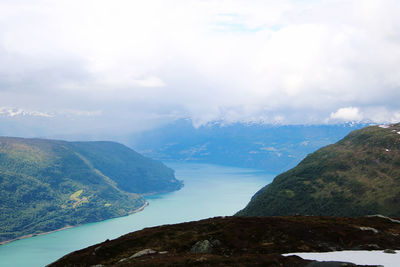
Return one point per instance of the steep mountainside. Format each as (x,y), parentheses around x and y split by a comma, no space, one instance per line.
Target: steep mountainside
(49,184)
(239,241)
(268,147)
(358,175)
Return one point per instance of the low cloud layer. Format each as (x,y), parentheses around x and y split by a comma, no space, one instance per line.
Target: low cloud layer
(347,114)
(122,65)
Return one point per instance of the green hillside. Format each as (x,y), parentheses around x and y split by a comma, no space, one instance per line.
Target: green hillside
(358,175)
(49,184)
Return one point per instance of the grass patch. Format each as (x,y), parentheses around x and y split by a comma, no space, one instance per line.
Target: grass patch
(75,196)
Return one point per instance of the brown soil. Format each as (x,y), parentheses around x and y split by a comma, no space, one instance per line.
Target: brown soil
(241,241)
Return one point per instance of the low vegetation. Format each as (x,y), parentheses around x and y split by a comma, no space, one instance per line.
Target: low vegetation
(239,241)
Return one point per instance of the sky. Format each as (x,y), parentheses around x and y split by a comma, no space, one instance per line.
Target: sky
(102,66)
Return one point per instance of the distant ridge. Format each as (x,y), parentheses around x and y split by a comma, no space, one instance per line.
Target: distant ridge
(46,185)
(359,175)
(274,148)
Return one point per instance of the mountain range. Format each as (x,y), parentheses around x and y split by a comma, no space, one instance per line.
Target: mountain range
(274,148)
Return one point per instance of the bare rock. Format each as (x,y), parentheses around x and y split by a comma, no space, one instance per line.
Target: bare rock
(203,246)
(215,243)
(369,229)
(143,252)
(391,251)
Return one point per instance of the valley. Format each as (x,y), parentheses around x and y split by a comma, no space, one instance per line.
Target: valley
(273,148)
(330,202)
(209,191)
(198,133)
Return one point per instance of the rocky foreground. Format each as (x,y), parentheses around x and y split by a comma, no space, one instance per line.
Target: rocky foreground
(240,241)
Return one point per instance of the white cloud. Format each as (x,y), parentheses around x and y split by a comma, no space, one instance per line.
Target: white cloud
(151,81)
(347,114)
(79,112)
(270,61)
(14,112)
(379,114)
(270,149)
(382,114)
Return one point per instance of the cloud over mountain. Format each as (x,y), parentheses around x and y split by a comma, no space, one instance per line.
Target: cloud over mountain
(145,62)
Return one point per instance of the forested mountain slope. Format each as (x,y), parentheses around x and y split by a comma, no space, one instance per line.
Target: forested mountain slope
(358,175)
(49,184)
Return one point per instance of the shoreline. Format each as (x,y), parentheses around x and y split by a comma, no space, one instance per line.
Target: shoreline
(33,235)
(68,227)
(146,203)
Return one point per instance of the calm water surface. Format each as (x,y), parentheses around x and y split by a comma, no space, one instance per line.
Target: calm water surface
(209,191)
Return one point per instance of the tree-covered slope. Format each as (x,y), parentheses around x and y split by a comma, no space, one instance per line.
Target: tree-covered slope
(358,175)
(127,167)
(49,184)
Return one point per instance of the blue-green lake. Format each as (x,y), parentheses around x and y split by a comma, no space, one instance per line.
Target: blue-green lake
(209,191)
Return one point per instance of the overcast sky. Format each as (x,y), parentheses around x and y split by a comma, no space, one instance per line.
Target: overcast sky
(124,65)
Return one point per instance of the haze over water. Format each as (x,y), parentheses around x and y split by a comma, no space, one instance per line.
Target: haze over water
(210,190)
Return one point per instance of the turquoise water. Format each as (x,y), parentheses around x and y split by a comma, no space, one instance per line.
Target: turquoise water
(209,191)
